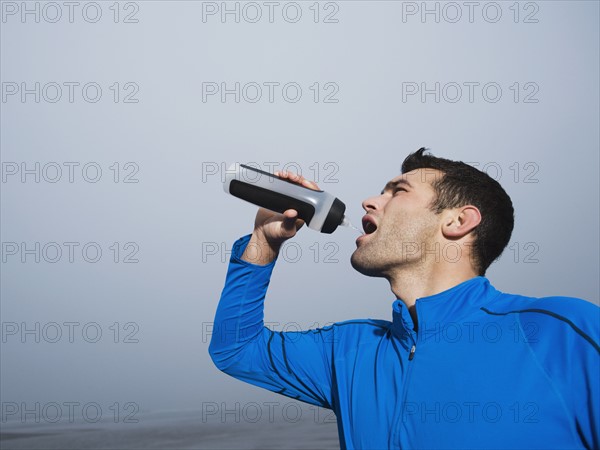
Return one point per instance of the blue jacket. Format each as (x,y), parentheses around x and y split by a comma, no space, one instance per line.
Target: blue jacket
(485,369)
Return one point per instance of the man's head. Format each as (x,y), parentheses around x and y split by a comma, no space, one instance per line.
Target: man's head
(437,212)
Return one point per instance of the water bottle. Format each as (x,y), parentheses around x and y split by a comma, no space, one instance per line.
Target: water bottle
(320,210)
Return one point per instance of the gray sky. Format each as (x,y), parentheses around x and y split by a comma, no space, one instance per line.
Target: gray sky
(343,96)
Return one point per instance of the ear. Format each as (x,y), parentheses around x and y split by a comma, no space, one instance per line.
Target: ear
(460,221)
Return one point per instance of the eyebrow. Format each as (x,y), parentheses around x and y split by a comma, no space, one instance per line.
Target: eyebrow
(392,184)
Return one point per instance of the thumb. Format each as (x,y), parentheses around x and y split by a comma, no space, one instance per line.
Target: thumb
(289,220)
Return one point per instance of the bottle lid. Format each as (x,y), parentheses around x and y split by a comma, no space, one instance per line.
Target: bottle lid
(335,217)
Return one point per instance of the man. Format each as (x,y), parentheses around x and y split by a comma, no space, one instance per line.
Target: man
(461,365)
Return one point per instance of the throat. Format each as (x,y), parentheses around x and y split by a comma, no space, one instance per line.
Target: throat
(413,314)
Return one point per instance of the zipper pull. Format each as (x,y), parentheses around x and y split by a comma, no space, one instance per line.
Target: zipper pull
(411,355)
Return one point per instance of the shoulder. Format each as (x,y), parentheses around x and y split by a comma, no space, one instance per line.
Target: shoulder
(560,305)
(558,315)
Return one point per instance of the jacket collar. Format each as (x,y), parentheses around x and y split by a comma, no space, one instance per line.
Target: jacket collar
(436,311)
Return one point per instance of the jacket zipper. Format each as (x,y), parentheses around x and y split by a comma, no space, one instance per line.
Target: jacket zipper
(414,336)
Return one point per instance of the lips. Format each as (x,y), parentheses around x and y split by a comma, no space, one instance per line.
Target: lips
(369,224)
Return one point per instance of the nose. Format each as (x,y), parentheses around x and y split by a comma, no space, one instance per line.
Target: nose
(371,203)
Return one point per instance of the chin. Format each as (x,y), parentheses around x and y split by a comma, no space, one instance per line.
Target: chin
(363,265)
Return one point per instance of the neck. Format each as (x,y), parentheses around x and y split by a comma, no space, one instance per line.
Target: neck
(409,284)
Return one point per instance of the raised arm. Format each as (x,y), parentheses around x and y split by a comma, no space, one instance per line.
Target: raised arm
(295,364)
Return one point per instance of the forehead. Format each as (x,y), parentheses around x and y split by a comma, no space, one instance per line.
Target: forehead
(418,179)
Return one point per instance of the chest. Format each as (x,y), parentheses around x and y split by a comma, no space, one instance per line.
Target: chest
(452,393)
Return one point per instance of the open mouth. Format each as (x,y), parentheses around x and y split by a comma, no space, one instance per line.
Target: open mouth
(369,225)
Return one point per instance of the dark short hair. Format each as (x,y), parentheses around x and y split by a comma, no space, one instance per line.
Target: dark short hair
(462,184)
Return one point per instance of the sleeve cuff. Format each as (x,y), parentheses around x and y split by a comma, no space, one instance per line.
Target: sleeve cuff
(238,250)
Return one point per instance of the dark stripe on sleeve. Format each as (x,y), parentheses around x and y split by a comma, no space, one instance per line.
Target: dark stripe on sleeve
(282,392)
(287,366)
(271,355)
(578,330)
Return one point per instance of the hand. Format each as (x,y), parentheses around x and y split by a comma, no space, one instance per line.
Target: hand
(276,228)
(272,229)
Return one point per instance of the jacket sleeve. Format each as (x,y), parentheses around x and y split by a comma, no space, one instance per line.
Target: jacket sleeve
(294,364)
(586,376)
(570,353)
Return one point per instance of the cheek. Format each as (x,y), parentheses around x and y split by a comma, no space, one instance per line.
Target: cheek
(409,222)
(396,212)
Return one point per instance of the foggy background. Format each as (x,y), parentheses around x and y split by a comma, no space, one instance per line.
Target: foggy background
(118,120)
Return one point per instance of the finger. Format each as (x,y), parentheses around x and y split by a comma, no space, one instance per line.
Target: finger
(295,176)
(298,179)
(310,184)
(303,181)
